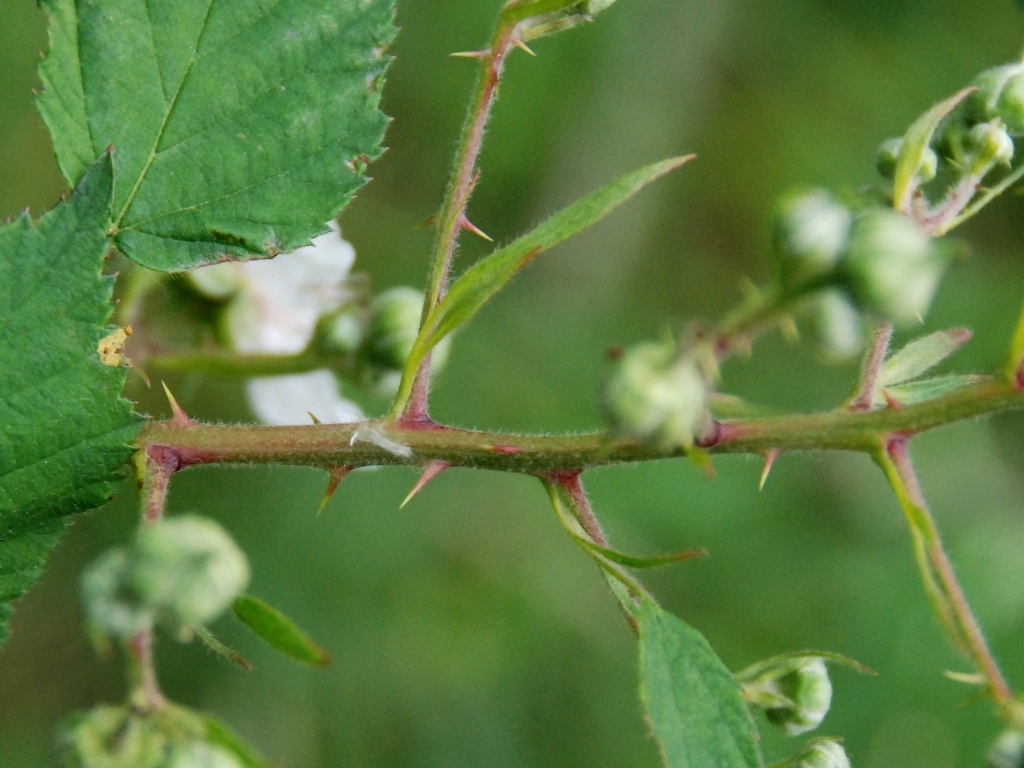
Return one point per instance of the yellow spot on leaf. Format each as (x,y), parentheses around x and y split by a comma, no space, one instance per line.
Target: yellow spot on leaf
(111,348)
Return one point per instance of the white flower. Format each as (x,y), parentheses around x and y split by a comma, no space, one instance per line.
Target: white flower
(274,308)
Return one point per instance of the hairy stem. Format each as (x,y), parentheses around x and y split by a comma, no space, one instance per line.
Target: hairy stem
(572,484)
(873,361)
(900,470)
(452,218)
(247,366)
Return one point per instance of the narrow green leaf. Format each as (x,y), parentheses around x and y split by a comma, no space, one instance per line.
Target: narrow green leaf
(488,276)
(922,354)
(239,128)
(219,734)
(754,671)
(655,561)
(915,144)
(65,432)
(278,631)
(694,704)
(218,647)
(929,389)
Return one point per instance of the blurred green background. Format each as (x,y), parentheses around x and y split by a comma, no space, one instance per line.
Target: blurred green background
(466,629)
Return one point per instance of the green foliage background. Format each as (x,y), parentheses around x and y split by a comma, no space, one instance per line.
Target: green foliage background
(467,629)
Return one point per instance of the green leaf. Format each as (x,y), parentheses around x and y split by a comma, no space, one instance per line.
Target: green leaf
(792,661)
(929,389)
(64,429)
(278,631)
(694,704)
(921,355)
(218,647)
(239,127)
(489,275)
(915,144)
(220,735)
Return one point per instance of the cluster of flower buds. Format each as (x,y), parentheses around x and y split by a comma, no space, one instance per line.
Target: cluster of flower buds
(300,301)
(657,393)
(795,692)
(182,572)
(844,264)
(820,753)
(120,737)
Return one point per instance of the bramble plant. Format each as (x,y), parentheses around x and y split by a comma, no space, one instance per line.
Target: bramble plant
(222,141)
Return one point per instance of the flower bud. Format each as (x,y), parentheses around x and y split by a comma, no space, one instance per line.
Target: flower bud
(188,569)
(108,604)
(199,754)
(889,156)
(821,753)
(892,267)
(836,324)
(343,331)
(656,395)
(1008,751)
(809,233)
(988,143)
(392,330)
(111,737)
(1000,95)
(218,281)
(806,684)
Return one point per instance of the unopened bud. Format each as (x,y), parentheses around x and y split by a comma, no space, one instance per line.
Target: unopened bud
(188,568)
(343,331)
(836,324)
(988,143)
(198,754)
(654,394)
(1000,95)
(809,234)
(1008,751)
(889,156)
(392,331)
(822,753)
(809,689)
(892,267)
(218,281)
(108,604)
(112,737)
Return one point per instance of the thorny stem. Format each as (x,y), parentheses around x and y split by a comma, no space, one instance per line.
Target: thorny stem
(873,361)
(452,218)
(900,470)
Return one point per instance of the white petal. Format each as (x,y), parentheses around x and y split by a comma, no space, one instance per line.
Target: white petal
(288,400)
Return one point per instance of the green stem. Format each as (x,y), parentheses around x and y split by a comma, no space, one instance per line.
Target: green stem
(247,366)
(387,443)
(989,195)
(953,606)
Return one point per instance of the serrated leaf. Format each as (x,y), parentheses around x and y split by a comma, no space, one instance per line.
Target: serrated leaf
(64,429)
(278,631)
(921,355)
(915,144)
(239,127)
(694,704)
(929,389)
(220,735)
(489,275)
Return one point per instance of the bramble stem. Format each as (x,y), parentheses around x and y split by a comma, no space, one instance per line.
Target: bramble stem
(224,363)
(367,443)
(452,218)
(581,507)
(873,362)
(900,470)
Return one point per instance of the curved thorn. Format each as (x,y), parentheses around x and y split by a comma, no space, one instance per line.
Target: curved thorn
(467,224)
(337,475)
(430,470)
(769,462)
(180,418)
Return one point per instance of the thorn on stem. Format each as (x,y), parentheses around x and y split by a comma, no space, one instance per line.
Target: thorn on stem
(337,474)
(471,54)
(430,470)
(523,46)
(179,418)
(316,421)
(467,224)
(769,462)
(895,404)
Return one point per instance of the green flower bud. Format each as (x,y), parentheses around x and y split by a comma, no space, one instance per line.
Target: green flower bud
(836,324)
(892,267)
(392,331)
(1008,751)
(889,155)
(806,684)
(218,281)
(988,143)
(821,753)
(198,754)
(809,234)
(109,604)
(187,568)
(343,331)
(111,737)
(1000,95)
(656,395)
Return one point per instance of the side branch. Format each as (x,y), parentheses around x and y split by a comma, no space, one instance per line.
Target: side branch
(382,443)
